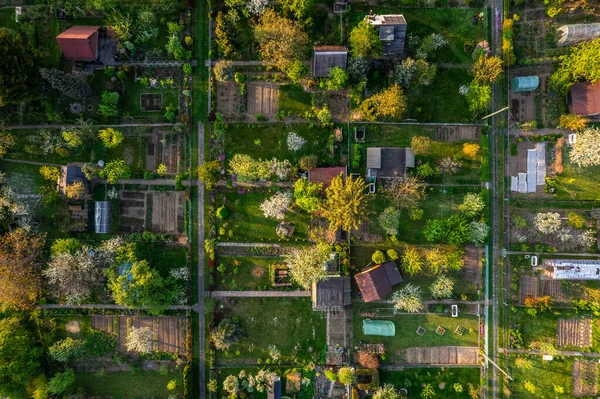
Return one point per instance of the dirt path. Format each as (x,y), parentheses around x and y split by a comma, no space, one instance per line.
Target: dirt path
(557,353)
(259,294)
(31,162)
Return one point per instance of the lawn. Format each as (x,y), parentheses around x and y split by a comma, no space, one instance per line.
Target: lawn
(162,257)
(251,273)
(544,375)
(133,90)
(22,178)
(306,392)
(406,327)
(26,149)
(542,327)
(413,380)
(294,99)
(121,385)
(132,150)
(288,323)
(247,223)
(268,141)
(577,183)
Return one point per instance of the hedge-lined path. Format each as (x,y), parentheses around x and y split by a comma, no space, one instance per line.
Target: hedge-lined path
(260,294)
(554,353)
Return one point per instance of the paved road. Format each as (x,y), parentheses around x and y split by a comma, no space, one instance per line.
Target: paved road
(557,353)
(259,294)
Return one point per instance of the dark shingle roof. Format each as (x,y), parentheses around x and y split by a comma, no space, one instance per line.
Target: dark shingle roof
(376,282)
(333,292)
(327,57)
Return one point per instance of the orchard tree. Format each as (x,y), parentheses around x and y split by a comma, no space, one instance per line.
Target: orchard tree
(296,8)
(140,340)
(486,70)
(368,360)
(387,105)
(346,375)
(581,64)
(295,70)
(408,299)
(306,264)
(472,205)
(412,262)
(478,97)
(307,194)
(66,83)
(442,287)
(280,40)
(364,40)
(346,203)
(389,220)
(337,79)
(110,137)
(247,169)
(276,206)
(421,145)
(19,76)
(76,190)
(20,276)
(378,257)
(225,334)
(387,391)
(405,192)
(573,122)
(51,173)
(586,150)
(115,170)
(209,174)
(547,222)
(231,385)
(20,358)
(109,104)
(478,232)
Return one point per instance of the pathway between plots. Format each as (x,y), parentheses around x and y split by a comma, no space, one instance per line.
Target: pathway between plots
(108,306)
(556,353)
(259,294)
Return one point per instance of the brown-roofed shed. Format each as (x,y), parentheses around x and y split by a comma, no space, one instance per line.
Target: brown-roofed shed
(327,57)
(584,98)
(79,43)
(326,175)
(376,282)
(335,292)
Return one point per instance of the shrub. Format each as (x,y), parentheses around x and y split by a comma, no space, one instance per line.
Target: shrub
(222,213)
(308,162)
(378,257)
(392,254)
(50,172)
(110,137)
(187,69)
(223,70)
(239,77)
(575,220)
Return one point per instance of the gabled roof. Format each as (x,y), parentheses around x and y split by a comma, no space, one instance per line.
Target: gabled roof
(389,161)
(585,98)
(335,292)
(326,175)
(275,393)
(79,43)
(327,57)
(376,282)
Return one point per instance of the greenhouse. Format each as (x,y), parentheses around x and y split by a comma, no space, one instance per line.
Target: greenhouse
(573,34)
(524,84)
(384,328)
(103,217)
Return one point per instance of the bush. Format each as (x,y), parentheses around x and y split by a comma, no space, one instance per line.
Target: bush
(378,257)
(223,70)
(239,77)
(392,254)
(187,69)
(222,213)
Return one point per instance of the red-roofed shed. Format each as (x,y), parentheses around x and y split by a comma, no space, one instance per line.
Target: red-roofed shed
(326,175)
(376,282)
(79,43)
(584,98)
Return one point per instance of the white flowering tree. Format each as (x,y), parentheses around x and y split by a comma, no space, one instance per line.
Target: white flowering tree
(586,150)
(276,206)
(274,352)
(140,340)
(478,232)
(281,169)
(295,142)
(472,204)
(408,299)
(306,265)
(442,287)
(449,166)
(257,7)
(547,222)
(587,238)
(389,220)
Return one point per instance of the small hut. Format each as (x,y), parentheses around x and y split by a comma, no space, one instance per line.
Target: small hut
(523,84)
(569,35)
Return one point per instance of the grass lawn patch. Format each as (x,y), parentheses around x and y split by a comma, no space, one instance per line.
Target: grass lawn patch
(133,91)
(22,178)
(288,323)
(577,183)
(544,375)
(247,222)
(245,272)
(406,327)
(133,151)
(306,391)
(162,257)
(294,99)
(413,380)
(268,141)
(24,148)
(121,385)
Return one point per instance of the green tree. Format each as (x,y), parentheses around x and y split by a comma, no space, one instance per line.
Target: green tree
(346,375)
(405,192)
(389,220)
(307,195)
(387,391)
(115,170)
(581,64)
(19,357)
(392,254)
(225,334)
(110,137)
(364,40)
(295,70)
(453,230)
(66,83)
(109,104)
(337,79)
(210,174)
(346,203)
(51,173)
(61,382)
(378,257)
(427,392)
(306,264)
(67,349)
(65,246)
(280,40)
(296,8)
(387,105)
(478,97)
(412,262)
(472,205)
(19,76)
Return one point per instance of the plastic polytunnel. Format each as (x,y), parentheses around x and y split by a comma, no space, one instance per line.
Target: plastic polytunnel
(384,328)
(569,35)
(524,83)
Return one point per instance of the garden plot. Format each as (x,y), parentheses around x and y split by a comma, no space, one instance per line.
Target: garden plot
(150,102)
(339,105)
(553,288)
(574,332)
(471,271)
(169,332)
(443,355)
(523,104)
(168,212)
(528,287)
(585,378)
(263,98)
(133,211)
(164,148)
(458,133)
(228,97)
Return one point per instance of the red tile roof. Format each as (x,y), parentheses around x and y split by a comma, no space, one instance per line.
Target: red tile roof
(79,43)
(325,175)
(376,282)
(585,98)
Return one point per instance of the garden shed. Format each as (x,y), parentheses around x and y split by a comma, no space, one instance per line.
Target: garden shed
(384,328)
(584,98)
(327,57)
(392,32)
(376,282)
(326,175)
(389,162)
(79,43)
(335,292)
(69,175)
(522,84)
(103,217)
(569,35)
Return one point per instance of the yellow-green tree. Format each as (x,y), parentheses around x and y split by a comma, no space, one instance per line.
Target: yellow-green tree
(487,69)
(346,203)
(573,122)
(51,173)
(387,105)
(110,137)
(364,40)
(280,40)
(76,190)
